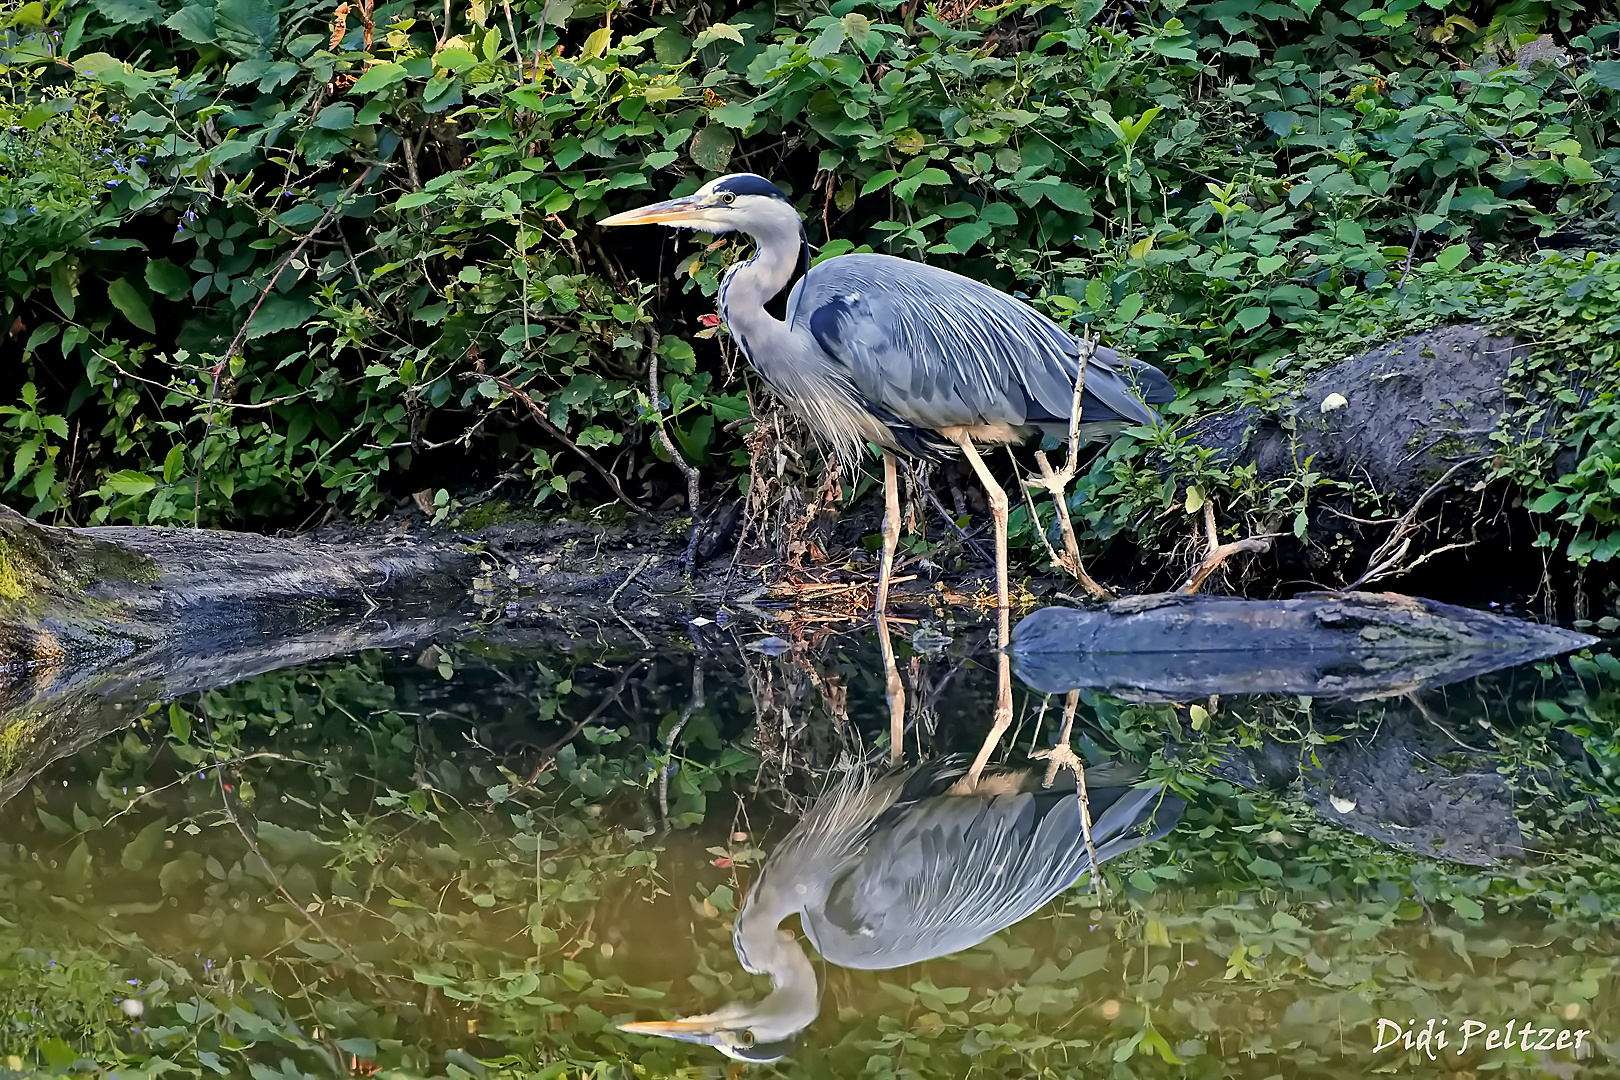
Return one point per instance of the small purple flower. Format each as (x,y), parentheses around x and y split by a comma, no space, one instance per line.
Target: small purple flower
(112,183)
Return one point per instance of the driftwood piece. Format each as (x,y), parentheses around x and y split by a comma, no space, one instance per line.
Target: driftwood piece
(1175,647)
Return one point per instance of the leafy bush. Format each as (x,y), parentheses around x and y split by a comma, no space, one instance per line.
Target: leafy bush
(339,246)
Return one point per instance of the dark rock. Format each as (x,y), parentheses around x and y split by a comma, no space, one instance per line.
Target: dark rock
(1412,409)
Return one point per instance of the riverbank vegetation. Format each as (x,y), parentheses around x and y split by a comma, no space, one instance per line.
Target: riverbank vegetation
(266,261)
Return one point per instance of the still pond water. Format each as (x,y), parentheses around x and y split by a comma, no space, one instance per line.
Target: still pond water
(476,858)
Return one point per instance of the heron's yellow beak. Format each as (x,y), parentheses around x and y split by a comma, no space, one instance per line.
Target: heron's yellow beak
(699,1029)
(689,212)
(664,1027)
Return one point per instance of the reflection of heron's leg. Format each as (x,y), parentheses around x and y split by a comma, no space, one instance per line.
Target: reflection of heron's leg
(891,532)
(1003,720)
(998,512)
(1062,756)
(896,693)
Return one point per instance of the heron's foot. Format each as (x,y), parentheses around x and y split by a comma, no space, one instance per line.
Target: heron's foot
(1058,758)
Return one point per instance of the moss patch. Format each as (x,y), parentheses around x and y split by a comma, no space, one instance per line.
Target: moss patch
(14,739)
(12,585)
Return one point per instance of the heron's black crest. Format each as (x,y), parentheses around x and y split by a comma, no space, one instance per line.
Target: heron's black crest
(749,184)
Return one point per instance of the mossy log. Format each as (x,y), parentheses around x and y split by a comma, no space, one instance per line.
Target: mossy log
(97,623)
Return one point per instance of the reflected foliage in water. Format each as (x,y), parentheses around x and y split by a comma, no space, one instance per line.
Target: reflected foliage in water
(452,862)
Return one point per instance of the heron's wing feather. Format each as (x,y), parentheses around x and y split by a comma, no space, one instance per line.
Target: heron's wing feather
(955,869)
(935,349)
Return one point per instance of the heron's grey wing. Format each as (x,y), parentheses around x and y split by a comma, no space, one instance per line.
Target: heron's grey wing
(955,869)
(934,349)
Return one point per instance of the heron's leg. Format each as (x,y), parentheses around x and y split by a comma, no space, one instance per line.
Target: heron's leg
(1062,756)
(891,531)
(895,691)
(998,512)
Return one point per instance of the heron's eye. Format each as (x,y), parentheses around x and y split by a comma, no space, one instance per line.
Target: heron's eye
(729,197)
(746,1038)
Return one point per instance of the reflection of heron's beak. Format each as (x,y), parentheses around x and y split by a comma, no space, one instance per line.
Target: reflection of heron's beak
(683,212)
(697,1029)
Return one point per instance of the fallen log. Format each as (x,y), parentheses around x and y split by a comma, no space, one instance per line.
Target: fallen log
(1169,647)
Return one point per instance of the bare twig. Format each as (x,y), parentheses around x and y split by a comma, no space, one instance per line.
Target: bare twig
(1253,545)
(693,479)
(1387,558)
(961,533)
(561,436)
(613,601)
(275,878)
(236,342)
(1056,482)
(549,754)
(693,704)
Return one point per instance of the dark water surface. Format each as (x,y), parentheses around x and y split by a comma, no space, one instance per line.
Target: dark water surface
(474,859)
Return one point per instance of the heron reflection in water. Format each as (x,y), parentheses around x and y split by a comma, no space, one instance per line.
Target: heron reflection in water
(908,867)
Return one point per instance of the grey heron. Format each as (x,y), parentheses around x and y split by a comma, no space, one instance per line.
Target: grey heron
(912,358)
(908,867)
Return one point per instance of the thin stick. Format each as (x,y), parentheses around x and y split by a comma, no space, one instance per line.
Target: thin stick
(693,479)
(1254,545)
(1387,558)
(613,601)
(693,704)
(961,533)
(236,342)
(275,878)
(557,433)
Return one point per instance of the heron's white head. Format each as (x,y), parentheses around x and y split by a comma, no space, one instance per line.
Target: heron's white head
(753,1031)
(741,201)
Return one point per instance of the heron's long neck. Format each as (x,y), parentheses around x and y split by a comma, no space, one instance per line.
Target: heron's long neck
(762,947)
(749,286)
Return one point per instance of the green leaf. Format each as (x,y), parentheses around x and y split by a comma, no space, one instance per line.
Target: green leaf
(964,236)
(129,482)
(1452,257)
(130,12)
(908,187)
(247,28)
(733,115)
(717,32)
(1606,73)
(127,298)
(378,77)
(139,851)
(280,312)
(879,182)
(1546,502)
(194,22)
(173,465)
(1251,317)
(167,279)
(179,719)
(335,118)
(711,147)
(828,42)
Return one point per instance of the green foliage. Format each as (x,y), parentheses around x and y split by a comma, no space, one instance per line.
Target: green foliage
(488,918)
(393,217)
